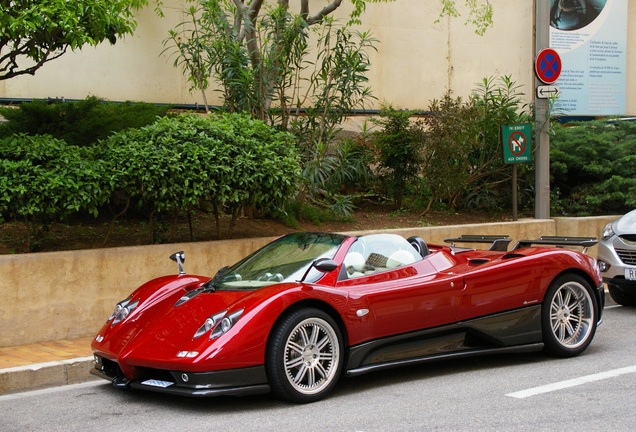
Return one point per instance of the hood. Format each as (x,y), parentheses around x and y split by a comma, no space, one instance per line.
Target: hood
(159,332)
(626,224)
(155,302)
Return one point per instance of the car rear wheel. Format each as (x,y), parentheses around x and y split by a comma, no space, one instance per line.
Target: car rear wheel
(305,356)
(621,297)
(568,316)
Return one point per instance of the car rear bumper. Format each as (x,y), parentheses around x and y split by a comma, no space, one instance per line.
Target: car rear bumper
(236,382)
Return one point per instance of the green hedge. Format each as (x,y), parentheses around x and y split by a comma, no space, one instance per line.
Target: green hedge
(45,180)
(593,167)
(227,160)
(80,123)
(224,162)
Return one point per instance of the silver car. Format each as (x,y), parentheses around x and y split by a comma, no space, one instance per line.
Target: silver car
(617,258)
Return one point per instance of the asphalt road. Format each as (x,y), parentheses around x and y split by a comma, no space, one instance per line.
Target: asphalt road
(522,392)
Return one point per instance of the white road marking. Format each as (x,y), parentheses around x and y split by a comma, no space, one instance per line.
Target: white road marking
(571,383)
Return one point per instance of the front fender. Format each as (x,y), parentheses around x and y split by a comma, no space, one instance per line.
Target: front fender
(245,344)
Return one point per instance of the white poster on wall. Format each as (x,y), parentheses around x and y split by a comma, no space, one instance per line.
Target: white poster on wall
(591,39)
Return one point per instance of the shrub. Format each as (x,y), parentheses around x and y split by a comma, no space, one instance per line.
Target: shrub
(45,180)
(452,135)
(593,166)
(398,146)
(80,123)
(229,161)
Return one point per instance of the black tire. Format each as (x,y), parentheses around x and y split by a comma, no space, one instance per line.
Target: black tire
(568,316)
(304,356)
(621,297)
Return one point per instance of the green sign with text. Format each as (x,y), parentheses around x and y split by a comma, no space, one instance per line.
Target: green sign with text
(517,146)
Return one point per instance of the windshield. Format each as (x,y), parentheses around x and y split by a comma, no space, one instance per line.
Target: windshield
(284,260)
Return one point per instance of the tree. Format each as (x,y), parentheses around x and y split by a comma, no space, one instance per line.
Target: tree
(259,54)
(256,49)
(34,32)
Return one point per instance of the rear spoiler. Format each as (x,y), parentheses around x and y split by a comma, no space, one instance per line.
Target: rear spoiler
(497,242)
(584,242)
(500,242)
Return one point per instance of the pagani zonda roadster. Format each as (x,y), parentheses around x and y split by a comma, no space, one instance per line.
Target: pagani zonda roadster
(308,307)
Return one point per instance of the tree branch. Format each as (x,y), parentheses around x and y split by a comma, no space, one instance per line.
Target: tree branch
(335,4)
(248,16)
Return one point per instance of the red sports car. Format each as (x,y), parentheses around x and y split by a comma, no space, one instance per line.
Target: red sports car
(308,307)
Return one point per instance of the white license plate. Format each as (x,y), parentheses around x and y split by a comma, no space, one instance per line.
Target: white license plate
(630,274)
(157,383)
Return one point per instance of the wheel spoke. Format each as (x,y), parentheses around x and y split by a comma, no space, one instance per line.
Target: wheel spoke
(320,370)
(300,375)
(567,301)
(569,329)
(561,332)
(311,377)
(315,333)
(323,343)
(327,356)
(293,363)
(304,336)
(295,347)
(559,300)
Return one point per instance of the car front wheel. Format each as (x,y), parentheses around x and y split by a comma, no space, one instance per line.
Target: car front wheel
(305,356)
(568,316)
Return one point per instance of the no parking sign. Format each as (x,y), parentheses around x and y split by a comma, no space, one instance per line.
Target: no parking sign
(548,65)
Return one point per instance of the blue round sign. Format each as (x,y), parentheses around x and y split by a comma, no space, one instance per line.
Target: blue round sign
(548,65)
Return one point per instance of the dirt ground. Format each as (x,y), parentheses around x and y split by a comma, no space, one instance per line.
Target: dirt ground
(91,234)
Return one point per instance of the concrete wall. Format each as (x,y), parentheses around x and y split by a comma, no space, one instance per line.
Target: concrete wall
(60,295)
(417,59)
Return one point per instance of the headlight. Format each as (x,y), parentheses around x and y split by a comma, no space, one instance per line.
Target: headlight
(226,324)
(122,310)
(219,324)
(608,231)
(209,323)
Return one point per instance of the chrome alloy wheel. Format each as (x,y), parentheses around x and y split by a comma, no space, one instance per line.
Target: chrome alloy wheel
(571,314)
(311,356)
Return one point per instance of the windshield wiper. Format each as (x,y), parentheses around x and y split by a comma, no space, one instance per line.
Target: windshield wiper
(213,284)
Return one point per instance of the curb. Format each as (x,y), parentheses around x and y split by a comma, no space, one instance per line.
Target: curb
(43,375)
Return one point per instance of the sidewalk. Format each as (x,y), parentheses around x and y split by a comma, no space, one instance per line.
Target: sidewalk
(47,364)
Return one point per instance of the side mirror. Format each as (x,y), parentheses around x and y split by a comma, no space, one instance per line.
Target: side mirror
(324,265)
(179,258)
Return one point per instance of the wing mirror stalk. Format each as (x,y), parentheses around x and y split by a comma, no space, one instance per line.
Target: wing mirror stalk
(179,258)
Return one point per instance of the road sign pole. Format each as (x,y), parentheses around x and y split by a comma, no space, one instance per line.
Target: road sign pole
(515,185)
(542,138)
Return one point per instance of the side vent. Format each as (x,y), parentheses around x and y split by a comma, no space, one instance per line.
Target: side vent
(512,255)
(478,261)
